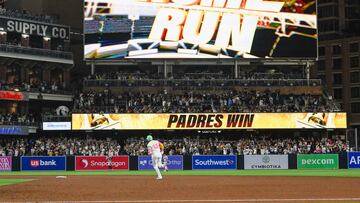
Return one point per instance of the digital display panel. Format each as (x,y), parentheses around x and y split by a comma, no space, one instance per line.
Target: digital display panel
(208,121)
(175,29)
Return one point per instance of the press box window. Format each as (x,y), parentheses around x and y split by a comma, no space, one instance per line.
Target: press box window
(355,107)
(336,49)
(355,92)
(321,65)
(323,79)
(354,47)
(321,51)
(338,94)
(337,63)
(354,77)
(354,62)
(337,79)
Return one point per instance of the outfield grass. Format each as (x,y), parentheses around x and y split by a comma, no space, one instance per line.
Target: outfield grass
(322,173)
(13,181)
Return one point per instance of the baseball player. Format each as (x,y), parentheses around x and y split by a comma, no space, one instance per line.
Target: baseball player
(154,149)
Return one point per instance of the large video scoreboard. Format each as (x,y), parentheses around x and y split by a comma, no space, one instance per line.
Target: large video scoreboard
(173,29)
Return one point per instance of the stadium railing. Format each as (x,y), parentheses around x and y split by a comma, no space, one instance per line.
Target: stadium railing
(56,118)
(16,123)
(199,82)
(35,51)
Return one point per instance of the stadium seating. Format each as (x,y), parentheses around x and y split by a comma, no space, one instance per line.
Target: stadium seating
(112,146)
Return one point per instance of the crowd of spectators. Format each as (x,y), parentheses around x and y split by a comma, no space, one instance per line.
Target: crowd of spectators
(251,145)
(56,46)
(17,119)
(35,86)
(24,14)
(122,76)
(59,146)
(197,80)
(200,75)
(190,102)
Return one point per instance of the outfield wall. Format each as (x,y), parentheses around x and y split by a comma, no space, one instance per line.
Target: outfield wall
(208,162)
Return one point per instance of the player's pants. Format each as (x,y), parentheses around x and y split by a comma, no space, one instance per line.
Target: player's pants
(156,162)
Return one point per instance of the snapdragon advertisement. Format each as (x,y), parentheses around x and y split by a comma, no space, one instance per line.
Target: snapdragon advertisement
(94,163)
(173,29)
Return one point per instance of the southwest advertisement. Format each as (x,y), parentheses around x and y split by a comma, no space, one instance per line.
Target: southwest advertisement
(101,163)
(43,163)
(173,29)
(5,163)
(208,121)
(354,160)
(172,162)
(266,162)
(220,162)
(318,161)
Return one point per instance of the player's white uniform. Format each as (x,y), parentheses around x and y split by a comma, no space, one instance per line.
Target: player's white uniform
(156,156)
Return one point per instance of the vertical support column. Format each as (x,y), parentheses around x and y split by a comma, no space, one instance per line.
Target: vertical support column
(67,45)
(159,69)
(92,68)
(356,139)
(25,42)
(236,70)
(169,71)
(307,70)
(46,43)
(3,73)
(347,135)
(46,76)
(165,69)
(24,74)
(66,78)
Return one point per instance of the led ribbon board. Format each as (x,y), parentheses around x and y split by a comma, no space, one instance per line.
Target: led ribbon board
(215,121)
(200,29)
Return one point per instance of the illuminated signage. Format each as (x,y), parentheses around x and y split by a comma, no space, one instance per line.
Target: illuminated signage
(56,125)
(208,121)
(34,28)
(16,96)
(13,130)
(203,28)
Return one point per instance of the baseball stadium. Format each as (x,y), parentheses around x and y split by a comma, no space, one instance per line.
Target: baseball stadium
(179,101)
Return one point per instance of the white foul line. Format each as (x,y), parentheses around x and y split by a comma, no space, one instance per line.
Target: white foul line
(216,200)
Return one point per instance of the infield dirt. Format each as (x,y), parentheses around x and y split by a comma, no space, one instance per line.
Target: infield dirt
(140,188)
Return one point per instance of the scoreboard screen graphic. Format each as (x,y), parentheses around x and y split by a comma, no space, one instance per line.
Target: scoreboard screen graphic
(173,29)
(193,121)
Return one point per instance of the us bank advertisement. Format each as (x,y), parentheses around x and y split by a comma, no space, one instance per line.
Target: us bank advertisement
(173,29)
(43,163)
(188,121)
